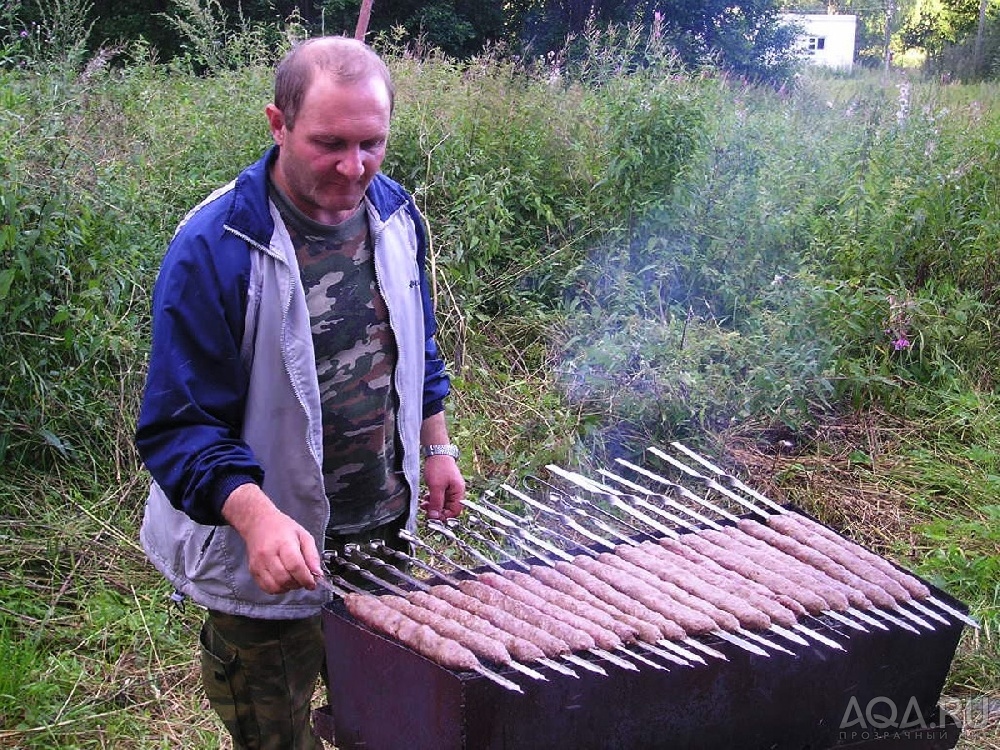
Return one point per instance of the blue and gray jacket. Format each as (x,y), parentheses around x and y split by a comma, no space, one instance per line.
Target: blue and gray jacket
(232,394)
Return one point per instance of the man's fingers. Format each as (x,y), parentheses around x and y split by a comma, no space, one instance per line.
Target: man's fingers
(283,556)
(311,558)
(300,561)
(452,507)
(432,503)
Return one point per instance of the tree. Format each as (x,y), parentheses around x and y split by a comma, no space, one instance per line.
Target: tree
(955,35)
(457,27)
(747,38)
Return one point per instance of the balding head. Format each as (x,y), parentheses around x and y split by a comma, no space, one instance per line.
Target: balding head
(343,59)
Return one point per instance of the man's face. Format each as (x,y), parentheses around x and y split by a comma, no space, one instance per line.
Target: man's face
(328,159)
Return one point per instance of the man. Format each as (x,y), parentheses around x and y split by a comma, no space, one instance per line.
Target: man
(293,384)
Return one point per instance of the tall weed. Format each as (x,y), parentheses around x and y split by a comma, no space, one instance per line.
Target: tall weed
(538,162)
(94,173)
(55,41)
(215,42)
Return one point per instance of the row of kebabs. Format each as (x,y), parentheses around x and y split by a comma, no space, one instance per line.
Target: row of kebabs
(650,595)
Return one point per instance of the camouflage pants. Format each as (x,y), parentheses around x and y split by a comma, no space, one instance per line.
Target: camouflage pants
(260,675)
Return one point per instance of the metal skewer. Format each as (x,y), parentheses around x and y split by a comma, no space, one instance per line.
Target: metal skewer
(590,667)
(893,619)
(841,618)
(709,482)
(326,583)
(511,537)
(648,662)
(515,528)
(663,497)
(919,606)
(496,517)
(621,504)
(675,653)
(584,482)
(818,637)
(437,572)
(442,529)
(697,646)
(957,614)
(634,502)
(687,493)
(522,521)
(756,637)
(624,533)
(474,520)
(741,642)
(728,477)
(786,633)
(563,517)
(638,497)
(416,541)
(614,658)
(865,618)
(665,514)
(574,505)
(913,616)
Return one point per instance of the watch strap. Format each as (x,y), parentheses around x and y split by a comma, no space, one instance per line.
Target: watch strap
(440,450)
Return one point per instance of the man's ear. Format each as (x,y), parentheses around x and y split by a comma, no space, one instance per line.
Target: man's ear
(276,121)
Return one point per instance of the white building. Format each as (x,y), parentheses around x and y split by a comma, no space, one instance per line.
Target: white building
(826,40)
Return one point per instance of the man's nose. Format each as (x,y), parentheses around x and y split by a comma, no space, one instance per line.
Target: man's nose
(351,163)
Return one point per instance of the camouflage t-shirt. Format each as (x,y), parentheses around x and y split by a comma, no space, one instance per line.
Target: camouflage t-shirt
(355,360)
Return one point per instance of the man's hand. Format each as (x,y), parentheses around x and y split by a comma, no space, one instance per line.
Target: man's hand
(281,554)
(445,488)
(445,485)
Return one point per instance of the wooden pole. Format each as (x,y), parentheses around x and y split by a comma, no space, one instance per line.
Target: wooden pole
(363,17)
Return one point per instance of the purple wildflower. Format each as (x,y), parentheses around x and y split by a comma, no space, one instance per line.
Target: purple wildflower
(900,322)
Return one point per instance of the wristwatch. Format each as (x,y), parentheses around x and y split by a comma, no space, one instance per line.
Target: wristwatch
(440,450)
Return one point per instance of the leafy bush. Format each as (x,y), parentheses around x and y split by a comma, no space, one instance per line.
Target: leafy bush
(513,184)
(94,172)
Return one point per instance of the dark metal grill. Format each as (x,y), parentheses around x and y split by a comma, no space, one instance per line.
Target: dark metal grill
(767,691)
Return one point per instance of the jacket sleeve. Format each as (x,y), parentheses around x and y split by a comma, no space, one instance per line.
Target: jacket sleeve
(189,426)
(437,384)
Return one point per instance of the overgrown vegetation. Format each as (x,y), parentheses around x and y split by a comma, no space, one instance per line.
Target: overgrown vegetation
(802,282)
